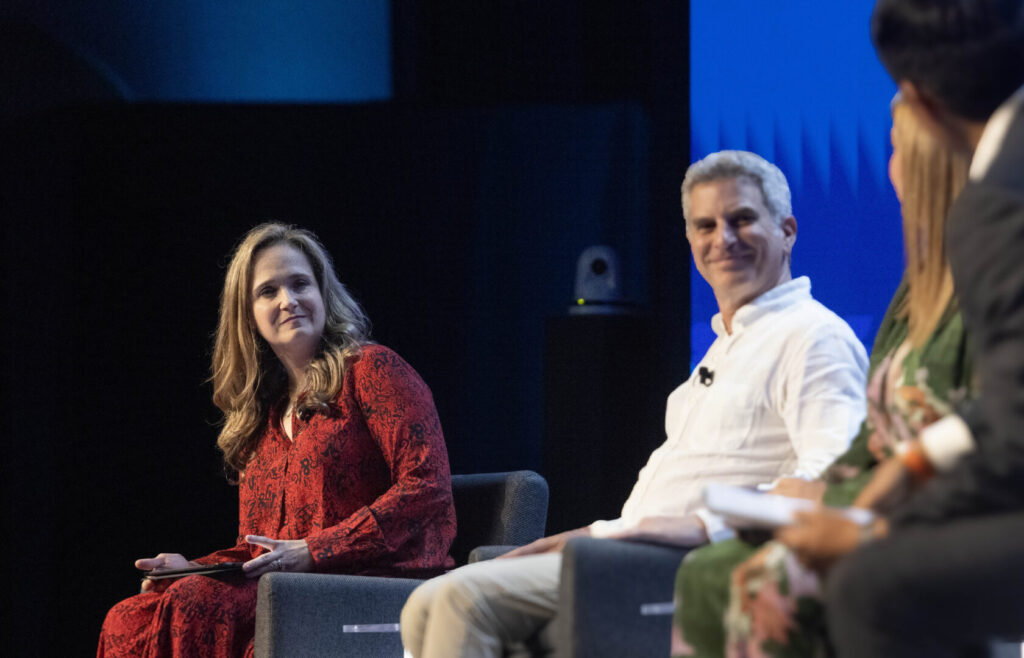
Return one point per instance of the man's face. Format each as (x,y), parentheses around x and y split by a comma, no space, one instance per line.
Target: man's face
(738,247)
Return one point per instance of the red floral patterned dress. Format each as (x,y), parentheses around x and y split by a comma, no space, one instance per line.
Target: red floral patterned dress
(367,485)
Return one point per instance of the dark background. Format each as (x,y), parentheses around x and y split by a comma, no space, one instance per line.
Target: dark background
(516,134)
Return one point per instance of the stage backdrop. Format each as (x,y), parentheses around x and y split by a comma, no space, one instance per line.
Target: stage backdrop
(798,82)
(224,51)
(142,138)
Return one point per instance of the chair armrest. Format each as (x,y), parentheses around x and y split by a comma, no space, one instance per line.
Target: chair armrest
(1004,649)
(604,582)
(305,614)
(483,553)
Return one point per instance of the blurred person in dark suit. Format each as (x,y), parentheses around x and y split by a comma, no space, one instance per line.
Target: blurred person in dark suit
(939,573)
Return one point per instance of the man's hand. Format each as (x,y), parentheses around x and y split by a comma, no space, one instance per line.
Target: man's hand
(820,537)
(797,488)
(552,544)
(672,530)
(889,486)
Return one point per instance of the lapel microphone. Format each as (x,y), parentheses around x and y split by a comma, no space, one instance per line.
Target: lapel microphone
(706,377)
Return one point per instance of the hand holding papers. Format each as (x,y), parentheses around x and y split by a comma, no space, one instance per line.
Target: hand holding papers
(747,508)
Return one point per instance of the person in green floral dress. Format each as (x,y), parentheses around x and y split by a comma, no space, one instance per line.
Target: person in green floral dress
(737,600)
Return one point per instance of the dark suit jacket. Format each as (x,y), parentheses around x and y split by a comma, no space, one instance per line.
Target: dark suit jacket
(985,241)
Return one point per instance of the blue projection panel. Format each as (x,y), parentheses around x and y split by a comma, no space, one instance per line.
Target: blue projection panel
(798,82)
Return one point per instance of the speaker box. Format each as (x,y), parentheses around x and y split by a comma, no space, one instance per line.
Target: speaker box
(603,413)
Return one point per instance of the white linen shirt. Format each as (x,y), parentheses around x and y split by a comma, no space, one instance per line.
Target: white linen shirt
(786,400)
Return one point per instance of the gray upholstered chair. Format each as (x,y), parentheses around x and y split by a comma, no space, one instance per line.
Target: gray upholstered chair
(1005,649)
(309,614)
(615,599)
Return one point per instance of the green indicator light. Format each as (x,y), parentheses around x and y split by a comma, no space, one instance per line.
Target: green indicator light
(580,301)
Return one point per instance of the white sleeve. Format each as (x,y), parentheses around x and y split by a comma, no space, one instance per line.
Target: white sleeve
(602,529)
(824,398)
(945,441)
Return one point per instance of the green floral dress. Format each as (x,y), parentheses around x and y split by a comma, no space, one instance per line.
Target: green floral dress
(908,389)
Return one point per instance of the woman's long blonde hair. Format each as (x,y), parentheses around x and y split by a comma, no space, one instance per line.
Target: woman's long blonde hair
(247,377)
(932,175)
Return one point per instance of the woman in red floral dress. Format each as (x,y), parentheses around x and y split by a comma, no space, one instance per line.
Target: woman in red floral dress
(340,460)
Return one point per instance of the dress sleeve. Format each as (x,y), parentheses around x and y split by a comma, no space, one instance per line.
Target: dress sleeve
(824,400)
(413,522)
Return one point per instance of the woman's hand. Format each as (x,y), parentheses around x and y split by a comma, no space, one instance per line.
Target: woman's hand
(820,537)
(161,561)
(769,612)
(752,567)
(284,555)
(879,447)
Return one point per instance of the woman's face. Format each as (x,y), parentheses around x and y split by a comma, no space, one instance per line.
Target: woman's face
(895,164)
(286,303)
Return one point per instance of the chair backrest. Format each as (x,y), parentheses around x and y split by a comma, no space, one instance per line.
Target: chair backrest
(498,508)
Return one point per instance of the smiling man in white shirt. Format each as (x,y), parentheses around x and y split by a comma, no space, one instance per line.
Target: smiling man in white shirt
(779,394)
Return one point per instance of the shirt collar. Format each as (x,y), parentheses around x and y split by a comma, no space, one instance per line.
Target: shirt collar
(992,137)
(777,298)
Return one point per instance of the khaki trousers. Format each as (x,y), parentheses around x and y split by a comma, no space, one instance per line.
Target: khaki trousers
(476,610)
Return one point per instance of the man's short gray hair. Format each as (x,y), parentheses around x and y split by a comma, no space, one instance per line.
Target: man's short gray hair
(739,164)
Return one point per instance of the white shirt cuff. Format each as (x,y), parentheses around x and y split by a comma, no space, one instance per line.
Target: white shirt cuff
(946,441)
(715,526)
(601,529)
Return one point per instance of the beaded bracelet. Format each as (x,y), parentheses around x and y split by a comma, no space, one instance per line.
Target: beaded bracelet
(916,462)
